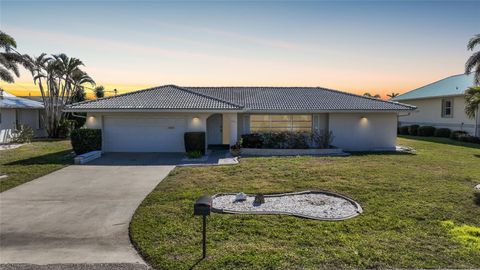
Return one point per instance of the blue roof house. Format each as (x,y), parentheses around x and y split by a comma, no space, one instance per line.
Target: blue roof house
(441,104)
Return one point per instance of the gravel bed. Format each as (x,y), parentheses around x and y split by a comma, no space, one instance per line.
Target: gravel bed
(308,204)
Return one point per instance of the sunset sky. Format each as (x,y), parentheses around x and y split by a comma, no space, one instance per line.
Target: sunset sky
(355,46)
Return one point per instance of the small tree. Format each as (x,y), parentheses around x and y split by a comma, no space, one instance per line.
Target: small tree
(473,63)
(99,91)
(472,103)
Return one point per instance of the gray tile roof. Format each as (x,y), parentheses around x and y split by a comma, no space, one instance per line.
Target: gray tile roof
(171,97)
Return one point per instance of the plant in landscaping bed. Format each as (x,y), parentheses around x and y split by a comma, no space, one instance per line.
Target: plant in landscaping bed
(442,132)
(322,139)
(426,131)
(454,135)
(194,141)
(413,130)
(403,130)
(236,148)
(24,134)
(85,140)
(468,138)
(253,140)
(194,154)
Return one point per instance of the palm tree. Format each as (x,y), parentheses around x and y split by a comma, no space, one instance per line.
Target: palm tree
(99,91)
(472,103)
(60,81)
(392,95)
(367,94)
(9,58)
(473,63)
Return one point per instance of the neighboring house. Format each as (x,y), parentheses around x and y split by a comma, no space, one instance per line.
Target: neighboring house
(155,120)
(16,111)
(441,104)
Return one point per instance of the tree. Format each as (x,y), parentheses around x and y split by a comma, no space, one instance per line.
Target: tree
(367,94)
(473,63)
(99,91)
(60,81)
(9,58)
(393,94)
(472,102)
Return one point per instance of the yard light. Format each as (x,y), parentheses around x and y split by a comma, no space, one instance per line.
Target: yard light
(202,207)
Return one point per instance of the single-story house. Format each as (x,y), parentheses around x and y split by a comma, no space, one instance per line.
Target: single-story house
(155,119)
(16,111)
(441,104)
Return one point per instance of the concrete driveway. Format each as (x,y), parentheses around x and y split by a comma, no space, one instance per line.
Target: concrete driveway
(77,215)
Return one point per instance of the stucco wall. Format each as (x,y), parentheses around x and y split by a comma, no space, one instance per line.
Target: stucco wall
(364,131)
(27,117)
(429,112)
(8,124)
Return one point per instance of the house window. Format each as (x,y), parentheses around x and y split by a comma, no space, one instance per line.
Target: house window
(447,108)
(280,122)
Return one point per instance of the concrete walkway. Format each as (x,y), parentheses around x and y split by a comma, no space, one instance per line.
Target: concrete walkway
(77,215)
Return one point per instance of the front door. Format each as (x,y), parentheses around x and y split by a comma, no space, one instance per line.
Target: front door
(214,129)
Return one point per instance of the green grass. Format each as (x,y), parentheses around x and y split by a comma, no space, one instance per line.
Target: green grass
(406,200)
(33,160)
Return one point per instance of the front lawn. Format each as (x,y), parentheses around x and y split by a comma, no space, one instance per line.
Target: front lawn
(420,211)
(33,160)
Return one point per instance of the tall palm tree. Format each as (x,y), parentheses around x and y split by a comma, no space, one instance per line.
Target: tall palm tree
(99,91)
(473,63)
(393,94)
(9,58)
(472,103)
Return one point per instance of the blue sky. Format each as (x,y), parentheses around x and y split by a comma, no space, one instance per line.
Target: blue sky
(357,46)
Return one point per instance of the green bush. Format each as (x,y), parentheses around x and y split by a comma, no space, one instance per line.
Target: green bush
(194,154)
(403,130)
(194,141)
(426,131)
(413,130)
(468,138)
(24,134)
(253,140)
(442,132)
(454,135)
(85,140)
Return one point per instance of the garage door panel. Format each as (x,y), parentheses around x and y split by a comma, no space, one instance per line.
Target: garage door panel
(144,134)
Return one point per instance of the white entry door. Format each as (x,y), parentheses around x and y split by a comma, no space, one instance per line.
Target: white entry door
(146,134)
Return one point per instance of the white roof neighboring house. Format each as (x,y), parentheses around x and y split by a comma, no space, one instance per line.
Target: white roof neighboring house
(11,101)
(441,104)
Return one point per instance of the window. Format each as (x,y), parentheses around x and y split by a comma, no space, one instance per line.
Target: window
(447,108)
(280,122)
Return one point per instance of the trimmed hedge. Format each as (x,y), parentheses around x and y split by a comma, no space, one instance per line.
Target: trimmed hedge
(468,138)
(253,140)
(194,142)
(426,131)
(455,134)
(403,130)
(442,132)
(85,140)
(413,130)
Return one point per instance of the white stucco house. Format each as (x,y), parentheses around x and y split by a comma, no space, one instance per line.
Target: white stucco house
(16,111)
(155,119)
(441,104)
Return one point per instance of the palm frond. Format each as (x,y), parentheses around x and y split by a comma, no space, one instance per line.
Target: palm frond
(472,101)
(474,41)
(6,41)
(6,76)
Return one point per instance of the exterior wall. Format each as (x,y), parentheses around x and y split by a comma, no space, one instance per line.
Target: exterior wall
(364,131)
(29,117)
(230,128)
(429,112)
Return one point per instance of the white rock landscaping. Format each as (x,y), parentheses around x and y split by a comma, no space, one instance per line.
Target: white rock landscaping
(320,205)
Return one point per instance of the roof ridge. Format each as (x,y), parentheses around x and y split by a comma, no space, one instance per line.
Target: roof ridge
(428,84)
(206,96)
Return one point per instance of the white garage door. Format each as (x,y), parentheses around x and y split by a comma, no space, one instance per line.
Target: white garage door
(143,134)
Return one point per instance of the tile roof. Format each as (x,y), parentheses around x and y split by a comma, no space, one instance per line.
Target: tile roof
(171,97)
(9,101)
(450,86)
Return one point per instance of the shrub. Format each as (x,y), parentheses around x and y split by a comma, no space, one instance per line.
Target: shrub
(194,154)
(454,135)
(236,148)
(85,140)
(442,132)
(253,140)
(403,130)
(65,128)
(468,138)
(426,131)
(24,134)
(413,130)
(321,139)
(194,141)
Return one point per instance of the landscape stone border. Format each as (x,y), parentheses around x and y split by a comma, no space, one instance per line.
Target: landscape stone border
(357,206)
